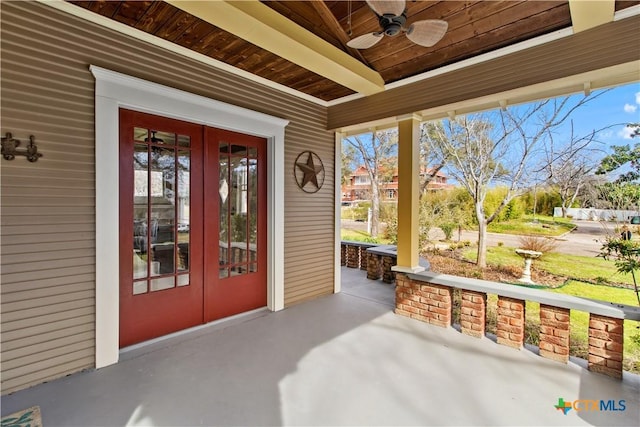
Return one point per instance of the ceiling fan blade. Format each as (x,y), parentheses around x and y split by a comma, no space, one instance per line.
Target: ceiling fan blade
(387,7)
(427,32)
(365,41)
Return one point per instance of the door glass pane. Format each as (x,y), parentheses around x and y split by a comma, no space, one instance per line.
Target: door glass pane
(163,183)
(184,141)
(183,279)
(140,211)
(160,137)
(162,283)
(140,287)
(183,192)
(253,203)
(239,150)
(140,134)
(238,189)
(239,210)
(223,191)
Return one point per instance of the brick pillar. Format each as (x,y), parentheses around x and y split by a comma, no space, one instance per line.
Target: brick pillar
(374,264)
(404,295)
(352,256)
(388,275)
(510,328)
(343,254)
(554,333)
(364,264)
(605,345)
(423,301)
(473,313)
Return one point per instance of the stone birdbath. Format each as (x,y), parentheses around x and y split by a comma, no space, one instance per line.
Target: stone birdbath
(528,257)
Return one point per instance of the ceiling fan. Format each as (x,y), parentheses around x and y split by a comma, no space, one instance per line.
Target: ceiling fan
(392,18)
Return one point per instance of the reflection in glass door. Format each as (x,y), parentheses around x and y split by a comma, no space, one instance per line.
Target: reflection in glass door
(238,188)
(161,197)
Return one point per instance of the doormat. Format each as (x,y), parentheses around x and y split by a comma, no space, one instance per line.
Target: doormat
(29,417)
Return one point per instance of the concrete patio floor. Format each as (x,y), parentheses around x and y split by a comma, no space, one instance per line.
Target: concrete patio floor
(344,359)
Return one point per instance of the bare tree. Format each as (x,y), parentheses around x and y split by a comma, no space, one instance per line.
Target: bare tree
(430,162)
(377,151)
(568,166)
(500,147)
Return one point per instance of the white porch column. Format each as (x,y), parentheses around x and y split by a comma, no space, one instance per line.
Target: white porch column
(408,194)
(337,277)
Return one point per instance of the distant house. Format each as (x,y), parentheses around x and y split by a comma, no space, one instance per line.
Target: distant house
(358,186)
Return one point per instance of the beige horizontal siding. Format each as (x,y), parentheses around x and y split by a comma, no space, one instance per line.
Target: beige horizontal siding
(48,207)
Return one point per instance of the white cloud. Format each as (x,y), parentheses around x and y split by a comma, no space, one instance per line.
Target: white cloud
(628,108)
(625,132)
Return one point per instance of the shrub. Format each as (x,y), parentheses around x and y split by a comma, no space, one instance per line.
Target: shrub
(360,211)
(538,244)
(447,228)
(513,210)
(391,232)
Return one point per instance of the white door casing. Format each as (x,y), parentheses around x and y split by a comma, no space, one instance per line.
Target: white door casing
(114,91)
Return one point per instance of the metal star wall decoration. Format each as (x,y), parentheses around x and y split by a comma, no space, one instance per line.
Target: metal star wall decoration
(309,172)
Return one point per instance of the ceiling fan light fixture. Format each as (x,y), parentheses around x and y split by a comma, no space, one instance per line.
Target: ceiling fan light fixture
(427,32)
(387,7)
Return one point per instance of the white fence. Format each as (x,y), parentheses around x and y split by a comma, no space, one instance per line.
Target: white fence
(597,214)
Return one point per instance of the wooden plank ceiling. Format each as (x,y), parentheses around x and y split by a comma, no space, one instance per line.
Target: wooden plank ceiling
(475,27)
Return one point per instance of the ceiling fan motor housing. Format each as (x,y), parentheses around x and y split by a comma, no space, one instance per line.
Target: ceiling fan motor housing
(392,25)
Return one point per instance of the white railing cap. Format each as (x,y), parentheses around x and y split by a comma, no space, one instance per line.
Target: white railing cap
(602,308)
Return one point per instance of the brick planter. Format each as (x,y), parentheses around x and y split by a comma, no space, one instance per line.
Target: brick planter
(554,333)
(343,255)
(510,328)
(605,345)
(473,313)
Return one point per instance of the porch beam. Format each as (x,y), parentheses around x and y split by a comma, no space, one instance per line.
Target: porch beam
(408,194)
(588,14)
(264,27)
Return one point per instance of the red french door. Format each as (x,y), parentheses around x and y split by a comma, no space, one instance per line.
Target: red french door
(192,225)
(235,230)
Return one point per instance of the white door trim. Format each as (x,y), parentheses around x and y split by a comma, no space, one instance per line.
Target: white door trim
(114,91)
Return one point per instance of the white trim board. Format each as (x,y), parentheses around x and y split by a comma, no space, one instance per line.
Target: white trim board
(114,91)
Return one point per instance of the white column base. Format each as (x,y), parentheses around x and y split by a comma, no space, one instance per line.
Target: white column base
(402,269)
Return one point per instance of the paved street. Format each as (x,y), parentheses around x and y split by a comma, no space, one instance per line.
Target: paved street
(584,240)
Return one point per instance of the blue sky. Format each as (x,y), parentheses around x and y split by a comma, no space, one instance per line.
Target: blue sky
(618,105)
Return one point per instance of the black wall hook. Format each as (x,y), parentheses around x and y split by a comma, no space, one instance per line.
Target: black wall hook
(10,148)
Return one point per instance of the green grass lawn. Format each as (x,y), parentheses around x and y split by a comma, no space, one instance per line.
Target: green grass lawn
(543,226)
(592,269)
(361,236)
